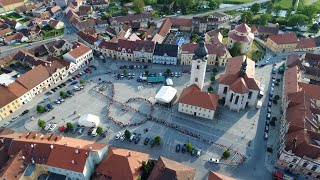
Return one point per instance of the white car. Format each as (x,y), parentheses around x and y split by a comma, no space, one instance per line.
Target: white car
(213,160)
(6,124)
(15,118)
(122,138)
(198,153)
(118,135)
(52,127)
(57,102)
(47,127)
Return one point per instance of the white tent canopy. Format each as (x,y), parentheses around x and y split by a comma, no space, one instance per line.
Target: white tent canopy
(169,82)
(166,94)
(89,120)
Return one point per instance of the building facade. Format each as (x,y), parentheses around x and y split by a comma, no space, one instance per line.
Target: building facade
(282,42)
(80,55)
(241,34)
(165,54)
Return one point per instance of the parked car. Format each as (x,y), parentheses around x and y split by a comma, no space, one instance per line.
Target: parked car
(47,127)
(184,148)
(15,118)
(25,112)
(213,160)
(118,135)
(137,138)
(266,129)
(57,101)
(152,143)
(193,151)
(268,116)
(6,124)
(178,147)
(265,135)
(52,127)
(146,141)
(81,129)
(198,153)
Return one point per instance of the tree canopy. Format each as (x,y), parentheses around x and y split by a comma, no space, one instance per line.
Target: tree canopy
(236,49)
(138,5)
(255,8)
(295,18)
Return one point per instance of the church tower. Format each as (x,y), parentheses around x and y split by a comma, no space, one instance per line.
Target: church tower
(199,65)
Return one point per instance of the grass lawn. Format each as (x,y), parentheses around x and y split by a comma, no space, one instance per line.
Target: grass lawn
(236,1)
(22,21)
(52,33)
(284,4)
(256,53)
(13,15)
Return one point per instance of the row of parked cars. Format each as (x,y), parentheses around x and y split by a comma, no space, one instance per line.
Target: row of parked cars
(183,149)
(135,137)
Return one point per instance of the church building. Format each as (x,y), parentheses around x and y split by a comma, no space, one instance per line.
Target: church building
(242,34)
(193,100)
(238,87)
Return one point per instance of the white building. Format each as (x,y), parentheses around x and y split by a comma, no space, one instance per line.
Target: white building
(165,54)
(192,100)
(242,34)
(89,120)
(80,55)
(238,87)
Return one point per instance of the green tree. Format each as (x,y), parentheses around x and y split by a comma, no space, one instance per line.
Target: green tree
(214,70)
(264,18)
(99,130)
(315,27)
(146,71)
(81,81)
(69,126)
(295,18)
(157,140)
(63,94)
(40,109)
(214,4)
(210,89)
(269,8)
(127,134)
(276,10)
(138,5)
(148,24)
(293,5)
(236,49)
(274,118)
(212,78)
(125,72)
(309,11)
(226,154)
(189,147)
(194,37)
(276,97)
(255,8)
(41,123)
(247,16)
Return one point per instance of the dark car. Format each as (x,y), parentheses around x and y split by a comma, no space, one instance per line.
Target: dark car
(146,141)
(184,148)
(178,147)
(74,130)
(90,131)
(104,135)
(25,112)
(152,143)
(137,139)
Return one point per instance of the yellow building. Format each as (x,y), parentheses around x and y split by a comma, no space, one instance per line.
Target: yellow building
(8,5)
(9,102)
(282,42)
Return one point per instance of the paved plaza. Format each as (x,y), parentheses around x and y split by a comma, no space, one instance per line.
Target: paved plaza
(121,101)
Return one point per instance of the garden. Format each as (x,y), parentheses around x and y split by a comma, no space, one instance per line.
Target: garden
(12,15)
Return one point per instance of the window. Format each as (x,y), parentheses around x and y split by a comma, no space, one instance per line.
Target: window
(318,177)
(225,89)
(196,79)
(237,99)
(294,160)
(309,173)
(305,164)
(250,94)
(198,67)
(231,97)
(290,166)
(314,167)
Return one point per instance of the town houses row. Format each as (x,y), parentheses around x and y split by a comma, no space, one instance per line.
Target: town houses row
(32,155)
(44,72)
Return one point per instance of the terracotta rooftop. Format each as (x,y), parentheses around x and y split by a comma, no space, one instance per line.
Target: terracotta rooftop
(79,50)
(55,9)
(217,49)
(122,164)
(165,28)
(169,169)
(232,34)
(306,43)
(88,37)
(17,89)
(181,22)
(218,176)
(293,60)
(288,38)
(136,17)
(243,28)
(9,2)
(192,95)
(268,30)
(292,77)
(6,96)
(33,77)
(146,46)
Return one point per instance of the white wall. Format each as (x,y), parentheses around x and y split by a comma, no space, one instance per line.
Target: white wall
(165,60)
(198,71)
(200,112)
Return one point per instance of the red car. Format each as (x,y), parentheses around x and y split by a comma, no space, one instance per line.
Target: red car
(62,128)
(186,71)
(89,69)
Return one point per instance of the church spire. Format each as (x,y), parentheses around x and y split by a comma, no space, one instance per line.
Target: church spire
(243,68)
(201,51)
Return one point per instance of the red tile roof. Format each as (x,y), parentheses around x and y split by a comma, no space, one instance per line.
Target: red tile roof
(232,34)
(306,43)
(169,169)
(88,37)
(165,28)
(122,164)
(6,96)
(33,77)
(79,50)
(192,95)
(10,2)
(288,38)
(243,28)
(218,176)
(181,22)
(129,18)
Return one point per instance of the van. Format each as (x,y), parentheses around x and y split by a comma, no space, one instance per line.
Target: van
(94,132)
(76,88)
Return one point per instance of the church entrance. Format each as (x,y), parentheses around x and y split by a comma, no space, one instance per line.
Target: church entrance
(195,114)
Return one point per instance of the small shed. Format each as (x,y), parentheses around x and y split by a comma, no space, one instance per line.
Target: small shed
(89,120)
(169,82)
(166,95)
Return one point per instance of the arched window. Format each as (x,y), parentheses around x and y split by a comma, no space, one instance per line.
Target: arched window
(250,94)
(198,67)
(231,97)
(237,99)
(225,90)
(314,167)
(196,79)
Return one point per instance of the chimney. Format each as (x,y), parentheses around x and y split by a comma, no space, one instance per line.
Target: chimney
(294,142)
(129,154)
(23,157)
(77,151)
(31,145)
(51,146)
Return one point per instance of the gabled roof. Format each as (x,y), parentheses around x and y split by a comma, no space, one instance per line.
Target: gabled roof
(86,24)
(9,2)
(306,43)
(33,77)
(147,46)
(165,28)
(79,50)
(122,164)
(6,96)
(268,30)
(192,95)
(135,17)
(91,39)
(169,169)
(218,176)
(181,22)
(288,38)
(168,49)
